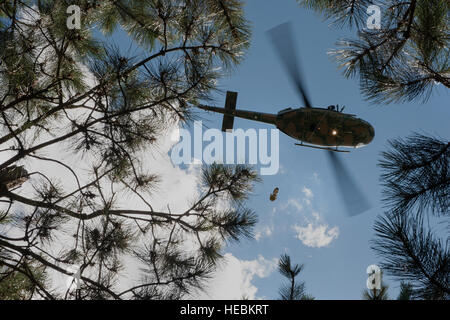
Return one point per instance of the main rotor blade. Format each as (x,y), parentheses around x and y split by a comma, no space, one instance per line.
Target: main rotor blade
(282,40)
(352,196)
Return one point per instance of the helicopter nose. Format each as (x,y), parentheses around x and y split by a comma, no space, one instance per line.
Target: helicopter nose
(367,137)
(370,133)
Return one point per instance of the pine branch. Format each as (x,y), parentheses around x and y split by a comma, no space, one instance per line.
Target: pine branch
(405,59)
(292,290)
(416,175)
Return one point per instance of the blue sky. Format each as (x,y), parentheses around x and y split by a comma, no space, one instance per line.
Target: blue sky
(335,271)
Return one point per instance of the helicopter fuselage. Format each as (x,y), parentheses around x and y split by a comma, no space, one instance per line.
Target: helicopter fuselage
(325,127)
(318,126)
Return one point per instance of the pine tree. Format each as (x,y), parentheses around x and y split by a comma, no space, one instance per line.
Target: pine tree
(19,282)
(69,87)
(406,291)
(416,180)
(402,60)
(416,175)
(292,289)
(376,294)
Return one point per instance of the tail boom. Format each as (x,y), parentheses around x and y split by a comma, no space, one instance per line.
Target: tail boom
(250,115)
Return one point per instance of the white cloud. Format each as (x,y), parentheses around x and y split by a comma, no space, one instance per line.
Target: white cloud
(316,235)
(296,203)
(314,232)
(282,169)
(308,193)
(233,280)
(175,134)
(264,232)
(316,215)
(268,231)
(292,202)
(315,177)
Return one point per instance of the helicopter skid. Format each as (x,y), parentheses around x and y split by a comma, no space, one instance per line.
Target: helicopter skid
(323,148)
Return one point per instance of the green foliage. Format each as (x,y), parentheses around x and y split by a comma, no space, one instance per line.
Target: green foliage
(20,285)
(376,294)
(416,183)
(341,12)
(412,253)
(406,291)
(416,175)
(404,59)
(235,180)
(76,92)
(292,289)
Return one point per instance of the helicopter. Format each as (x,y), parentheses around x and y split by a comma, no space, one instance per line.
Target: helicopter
(326,129)
(321,128)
